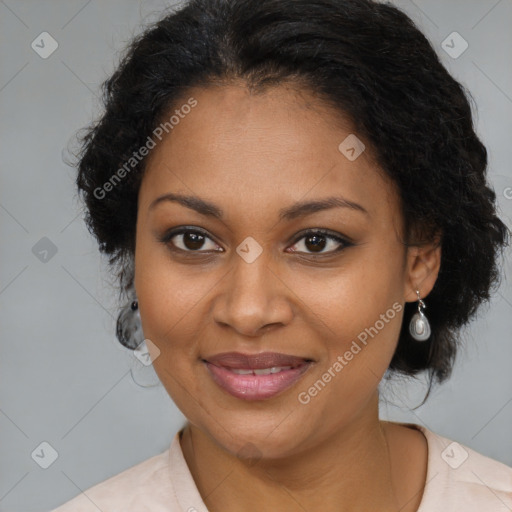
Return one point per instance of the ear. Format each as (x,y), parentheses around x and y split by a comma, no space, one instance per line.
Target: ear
(421,269)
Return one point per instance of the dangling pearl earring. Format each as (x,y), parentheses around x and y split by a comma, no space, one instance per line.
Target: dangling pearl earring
(419,328)
(129,327)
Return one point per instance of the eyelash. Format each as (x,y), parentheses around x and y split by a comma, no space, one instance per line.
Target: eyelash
(168,236)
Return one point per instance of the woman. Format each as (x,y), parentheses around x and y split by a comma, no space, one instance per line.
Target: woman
(294,193)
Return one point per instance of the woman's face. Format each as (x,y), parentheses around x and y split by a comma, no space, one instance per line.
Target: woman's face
(324,314)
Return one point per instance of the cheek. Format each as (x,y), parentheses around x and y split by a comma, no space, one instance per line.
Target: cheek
(350,299)
(168,304)
(358,349)
(169,294)
(358,315)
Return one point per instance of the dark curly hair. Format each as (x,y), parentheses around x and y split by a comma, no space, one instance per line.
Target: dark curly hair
(366,60)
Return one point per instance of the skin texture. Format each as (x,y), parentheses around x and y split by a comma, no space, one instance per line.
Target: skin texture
(253,155)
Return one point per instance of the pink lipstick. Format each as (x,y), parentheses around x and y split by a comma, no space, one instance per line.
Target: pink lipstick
(256,376)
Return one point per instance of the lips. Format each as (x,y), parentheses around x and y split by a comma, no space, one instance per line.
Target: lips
(256,376)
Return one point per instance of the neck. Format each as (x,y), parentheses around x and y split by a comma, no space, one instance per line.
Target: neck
(349,470)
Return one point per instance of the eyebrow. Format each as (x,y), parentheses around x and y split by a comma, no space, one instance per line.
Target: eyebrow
(294,211)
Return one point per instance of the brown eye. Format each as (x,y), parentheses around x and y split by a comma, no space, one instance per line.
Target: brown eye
(314,242)
(189,240)
(193,241)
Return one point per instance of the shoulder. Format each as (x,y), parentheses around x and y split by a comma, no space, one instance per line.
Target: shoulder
(461,479)
(142,487)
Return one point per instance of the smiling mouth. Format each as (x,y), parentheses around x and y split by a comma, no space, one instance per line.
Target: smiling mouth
(256,376)
(260,371)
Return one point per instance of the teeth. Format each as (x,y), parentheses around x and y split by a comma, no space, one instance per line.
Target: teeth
(263,371)
(260,371)
(277,369)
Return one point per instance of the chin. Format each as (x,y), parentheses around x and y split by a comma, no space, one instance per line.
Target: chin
(263,436)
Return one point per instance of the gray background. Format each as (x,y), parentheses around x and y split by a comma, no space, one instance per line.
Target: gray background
(64,378)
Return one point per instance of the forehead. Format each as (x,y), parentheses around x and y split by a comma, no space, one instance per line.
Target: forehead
(279,146)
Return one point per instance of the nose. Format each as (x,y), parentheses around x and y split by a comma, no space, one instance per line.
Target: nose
(253,299)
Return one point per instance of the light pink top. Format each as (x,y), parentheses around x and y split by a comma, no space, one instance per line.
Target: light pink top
(458,480)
